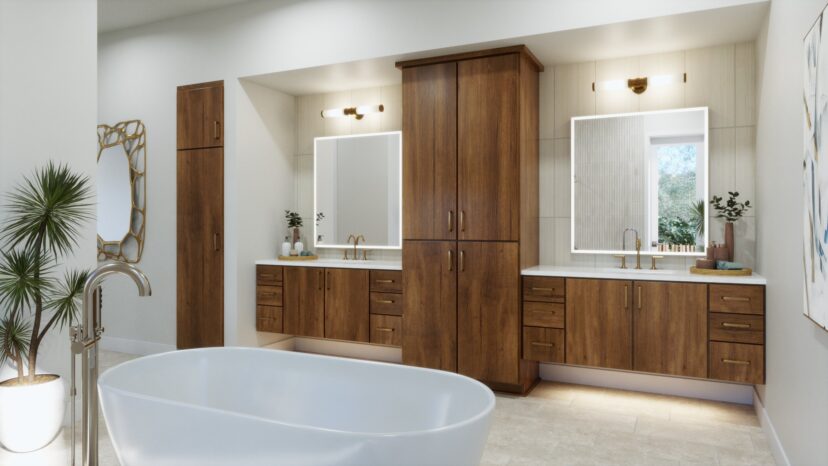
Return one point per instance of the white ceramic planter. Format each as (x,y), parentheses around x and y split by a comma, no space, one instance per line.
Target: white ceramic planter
(31,415)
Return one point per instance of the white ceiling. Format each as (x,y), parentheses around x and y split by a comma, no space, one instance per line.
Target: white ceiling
(664,34)
(120,14)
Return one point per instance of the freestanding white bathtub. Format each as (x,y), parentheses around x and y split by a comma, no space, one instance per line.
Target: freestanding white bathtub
(246,406)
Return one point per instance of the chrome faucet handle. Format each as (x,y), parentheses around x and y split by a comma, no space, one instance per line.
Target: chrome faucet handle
(623,260)
(654,258)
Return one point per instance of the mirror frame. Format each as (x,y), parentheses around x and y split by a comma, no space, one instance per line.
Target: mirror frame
(315,165)
(130,134)
(706,182)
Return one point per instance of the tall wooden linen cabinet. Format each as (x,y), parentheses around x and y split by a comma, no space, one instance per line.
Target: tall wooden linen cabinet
(470,211)
(200,215)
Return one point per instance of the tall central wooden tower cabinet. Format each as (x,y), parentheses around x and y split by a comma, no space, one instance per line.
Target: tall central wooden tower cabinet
(470,211)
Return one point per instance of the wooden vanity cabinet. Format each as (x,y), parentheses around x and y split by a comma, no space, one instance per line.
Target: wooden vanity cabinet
(269,298)
(202,125)
(670,328)
(304,301)
(599,323)
(346,304)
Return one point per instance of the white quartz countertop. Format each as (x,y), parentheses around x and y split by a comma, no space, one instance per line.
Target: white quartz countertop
(665,275)
(336,264)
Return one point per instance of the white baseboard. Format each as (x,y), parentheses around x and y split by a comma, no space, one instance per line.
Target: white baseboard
(677,386)
(767,426)
(143,348)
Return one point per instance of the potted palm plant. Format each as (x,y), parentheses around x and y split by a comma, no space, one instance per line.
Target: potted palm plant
(42,219)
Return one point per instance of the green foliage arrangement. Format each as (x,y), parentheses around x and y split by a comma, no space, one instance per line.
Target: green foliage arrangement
(43,217)
(294,220)
(732,210)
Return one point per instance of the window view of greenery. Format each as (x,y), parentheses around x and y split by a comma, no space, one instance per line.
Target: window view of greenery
(680,213)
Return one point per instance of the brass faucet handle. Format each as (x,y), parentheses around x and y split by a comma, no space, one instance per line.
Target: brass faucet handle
(365,254)
(346,254)
(623,260)
(637,244)
(654,258)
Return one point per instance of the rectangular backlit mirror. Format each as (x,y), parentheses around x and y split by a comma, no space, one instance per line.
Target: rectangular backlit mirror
(640,174)
(358,190)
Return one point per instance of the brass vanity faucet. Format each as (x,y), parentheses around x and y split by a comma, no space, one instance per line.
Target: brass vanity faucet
(356,240)
(637,249)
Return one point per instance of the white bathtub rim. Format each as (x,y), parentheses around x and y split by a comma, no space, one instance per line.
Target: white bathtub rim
(490,405)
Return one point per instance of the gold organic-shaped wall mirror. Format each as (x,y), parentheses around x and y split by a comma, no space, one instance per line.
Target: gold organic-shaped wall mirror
(121,187)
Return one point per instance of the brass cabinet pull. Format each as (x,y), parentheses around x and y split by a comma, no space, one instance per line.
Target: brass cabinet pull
(321,279)
(545,345)
(384,281)
(462,220)
(216,130)
(733,325)
(735,361)
(328,280)
(639,297)
(385,301)
(462,261)
(626,297)
(535,288)
(450,260)
(735,298)
(451,220)
(384,329)
(215,241)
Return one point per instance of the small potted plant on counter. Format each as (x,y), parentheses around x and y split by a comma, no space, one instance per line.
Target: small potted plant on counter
(294,221)
(731,211)
(43,217)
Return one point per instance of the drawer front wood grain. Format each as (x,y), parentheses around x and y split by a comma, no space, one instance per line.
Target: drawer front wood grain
(387,281)
(386,303)
(386,330)
(543,344)
(268,275)
(269,295)
(536,314)
(737,328)
(269,319)
(544,289)
(739,299)
(737,362)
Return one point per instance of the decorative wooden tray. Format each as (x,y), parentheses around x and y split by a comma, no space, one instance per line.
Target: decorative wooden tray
(727,273)
(298,258)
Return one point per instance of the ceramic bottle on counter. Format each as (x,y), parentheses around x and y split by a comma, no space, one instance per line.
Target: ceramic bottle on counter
(286,247)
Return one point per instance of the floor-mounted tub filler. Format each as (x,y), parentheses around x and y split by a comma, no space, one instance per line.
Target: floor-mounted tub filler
(247,406)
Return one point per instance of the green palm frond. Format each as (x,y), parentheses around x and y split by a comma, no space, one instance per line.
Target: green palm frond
(47,209)
(14,338)
(66,300)
(23,274)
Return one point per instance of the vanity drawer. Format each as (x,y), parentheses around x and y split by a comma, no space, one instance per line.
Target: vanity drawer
(269,319)
(546,289)
(386,330)
(737,328)
(268,275)
(543,344)
(386,303)
(543,314)
(269,295)
(389,281)
(739,299)
(737,362)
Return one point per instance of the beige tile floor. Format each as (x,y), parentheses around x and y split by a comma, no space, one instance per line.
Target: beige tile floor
(560,424)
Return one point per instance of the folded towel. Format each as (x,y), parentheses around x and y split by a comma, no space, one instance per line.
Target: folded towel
(725,265)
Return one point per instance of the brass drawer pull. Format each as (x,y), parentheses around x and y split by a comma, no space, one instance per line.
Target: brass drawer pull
(536,288)
(384,281)
(639,298)
(450,260)
(462,220)
(450,220)
(735,361)
(740,299)
(545,345)
(384,329)
(550,311)
(626,297)
(732,325)
(385,301)
(216,130)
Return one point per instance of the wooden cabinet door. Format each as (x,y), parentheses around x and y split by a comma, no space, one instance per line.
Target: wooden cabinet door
(430,152)
(200,252)
(599,323)
(430,304)
(488,191)
(488,311)
(200,121)
(346,305)
(670,328)
(304,301)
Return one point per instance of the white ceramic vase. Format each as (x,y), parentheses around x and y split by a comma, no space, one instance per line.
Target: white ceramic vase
(32,415)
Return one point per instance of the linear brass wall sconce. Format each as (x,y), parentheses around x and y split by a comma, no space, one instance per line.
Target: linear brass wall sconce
(639,85)
(356,112)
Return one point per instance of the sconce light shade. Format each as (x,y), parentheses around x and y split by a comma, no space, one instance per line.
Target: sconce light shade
(637,85)
(356,112)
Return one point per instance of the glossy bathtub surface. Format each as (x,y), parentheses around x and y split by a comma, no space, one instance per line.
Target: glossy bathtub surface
(244,406)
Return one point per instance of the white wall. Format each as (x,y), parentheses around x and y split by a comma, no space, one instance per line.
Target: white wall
(796,394)
(48,92)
